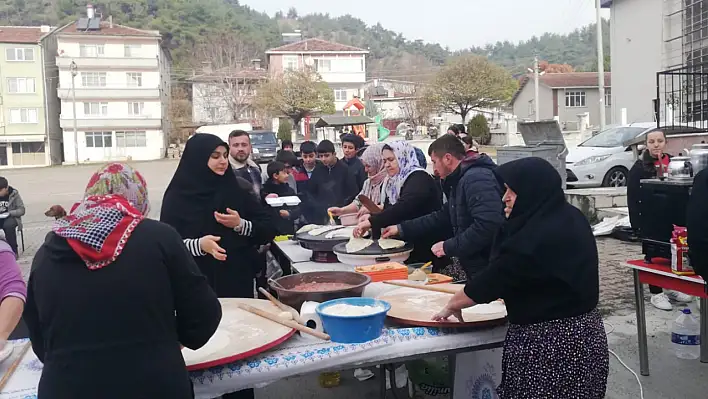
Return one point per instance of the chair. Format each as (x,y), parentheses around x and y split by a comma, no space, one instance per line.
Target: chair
(20,233)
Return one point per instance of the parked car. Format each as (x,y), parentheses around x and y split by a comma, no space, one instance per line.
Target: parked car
(265,145)
(604,160)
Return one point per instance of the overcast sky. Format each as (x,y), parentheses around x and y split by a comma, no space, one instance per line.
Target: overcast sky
(455,23)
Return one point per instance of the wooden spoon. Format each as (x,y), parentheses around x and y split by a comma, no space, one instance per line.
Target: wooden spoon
(14,365)
(286,323)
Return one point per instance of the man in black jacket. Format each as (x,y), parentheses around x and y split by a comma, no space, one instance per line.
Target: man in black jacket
(331,183)
(474,210)
(351,144)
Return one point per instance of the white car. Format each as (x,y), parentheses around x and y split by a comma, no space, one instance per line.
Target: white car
(603,160)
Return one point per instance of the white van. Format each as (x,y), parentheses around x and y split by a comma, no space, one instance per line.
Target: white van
(223,131)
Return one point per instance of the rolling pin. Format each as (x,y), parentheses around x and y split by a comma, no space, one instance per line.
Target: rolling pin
(280,305)
(14,364)
(286,323)
(424,287)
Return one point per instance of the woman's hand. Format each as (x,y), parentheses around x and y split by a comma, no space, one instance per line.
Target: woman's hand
(284,214)
(273,195)
(364,218)
(230,219)
(335,211)
(390,231)
(209,245)
(454,307)
(362,211)
(362,228)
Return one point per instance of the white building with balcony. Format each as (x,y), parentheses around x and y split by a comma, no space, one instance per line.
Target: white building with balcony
(113,91)
(342,67)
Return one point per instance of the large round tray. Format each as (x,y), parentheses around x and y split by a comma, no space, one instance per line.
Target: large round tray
(240,335)
(319,243)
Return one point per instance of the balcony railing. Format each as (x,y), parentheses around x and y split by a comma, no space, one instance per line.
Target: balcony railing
(107,62)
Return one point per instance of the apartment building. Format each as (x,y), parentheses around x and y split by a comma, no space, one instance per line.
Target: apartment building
(26,128)
(113,90)
(342,67)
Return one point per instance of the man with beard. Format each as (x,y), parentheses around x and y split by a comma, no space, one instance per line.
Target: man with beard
(240,159)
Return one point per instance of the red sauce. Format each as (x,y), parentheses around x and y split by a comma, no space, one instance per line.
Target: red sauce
(320,287)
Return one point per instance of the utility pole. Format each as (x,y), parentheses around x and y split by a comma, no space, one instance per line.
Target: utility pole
(600,66)
(74,72)
(535,88)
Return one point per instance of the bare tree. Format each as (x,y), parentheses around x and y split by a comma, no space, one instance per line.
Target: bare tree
(225,89)
(180,114)
(412,103)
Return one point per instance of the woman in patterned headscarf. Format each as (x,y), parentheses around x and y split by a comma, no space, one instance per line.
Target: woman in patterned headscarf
(109,286)
(373,186)
(410,192)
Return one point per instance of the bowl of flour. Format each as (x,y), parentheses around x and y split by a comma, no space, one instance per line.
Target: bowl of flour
(353,320)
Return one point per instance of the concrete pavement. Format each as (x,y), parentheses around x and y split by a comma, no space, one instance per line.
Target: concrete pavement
(671,377)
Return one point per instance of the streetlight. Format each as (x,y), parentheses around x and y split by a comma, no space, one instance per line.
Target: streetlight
(73,68)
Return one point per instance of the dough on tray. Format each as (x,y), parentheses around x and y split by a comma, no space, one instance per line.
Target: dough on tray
(323,229)
(306,228)
(346,232)
(358,244)
(390,243)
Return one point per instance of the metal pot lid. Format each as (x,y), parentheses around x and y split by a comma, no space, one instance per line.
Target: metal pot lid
(372,250)
(681,158)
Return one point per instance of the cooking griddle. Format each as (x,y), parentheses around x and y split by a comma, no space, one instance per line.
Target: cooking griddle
(415,307)
(321,247)
(372,250)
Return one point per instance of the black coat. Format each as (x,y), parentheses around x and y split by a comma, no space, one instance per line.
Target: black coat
(697,224)
(644,168)
(285,226)
(420,195)
(330,187)
(356,168)
(115,332)
(470,217)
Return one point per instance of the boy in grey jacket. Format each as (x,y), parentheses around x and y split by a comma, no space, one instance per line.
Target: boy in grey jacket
(11,211)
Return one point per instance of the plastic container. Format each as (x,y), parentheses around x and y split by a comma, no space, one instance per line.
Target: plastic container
(686,336)
(350,219)
(353,329)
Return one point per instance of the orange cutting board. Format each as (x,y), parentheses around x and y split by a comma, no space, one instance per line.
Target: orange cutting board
(415,307)
(240,335)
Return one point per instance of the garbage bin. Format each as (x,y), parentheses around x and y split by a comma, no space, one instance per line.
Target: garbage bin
(543,139)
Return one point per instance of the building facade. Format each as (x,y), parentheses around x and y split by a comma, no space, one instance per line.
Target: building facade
(113,91)
(563,96)
(27,129)
(342,67)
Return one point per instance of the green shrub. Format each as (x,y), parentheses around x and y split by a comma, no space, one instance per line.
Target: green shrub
(285,129)
(479,129)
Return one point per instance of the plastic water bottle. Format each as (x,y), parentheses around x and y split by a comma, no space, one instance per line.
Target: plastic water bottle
(686,336)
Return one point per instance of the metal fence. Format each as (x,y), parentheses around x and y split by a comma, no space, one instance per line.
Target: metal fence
(682,97)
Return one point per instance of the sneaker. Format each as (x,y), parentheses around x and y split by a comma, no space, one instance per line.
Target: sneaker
(661,302)
(678,296)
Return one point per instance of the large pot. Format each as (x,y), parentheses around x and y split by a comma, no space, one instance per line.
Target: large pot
(699,157)
(680,168)
(283,287)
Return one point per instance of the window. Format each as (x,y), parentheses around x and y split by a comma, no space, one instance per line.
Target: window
(27,148)
(132,50)
(323,65)
(131,139)
(289,63)
(96,109)
(135,79)
(248,113)
(19,54)
(135,109)
(608,97)
(91,50)
(20,85)
(93,79)
(341,95)
(574,99)
(23,115)
(361,65)
(99,139)
(532,108)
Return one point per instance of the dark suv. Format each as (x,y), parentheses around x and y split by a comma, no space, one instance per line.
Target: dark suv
(265,145)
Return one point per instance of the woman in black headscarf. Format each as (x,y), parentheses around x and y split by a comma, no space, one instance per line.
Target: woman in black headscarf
(544,264)
(205,199)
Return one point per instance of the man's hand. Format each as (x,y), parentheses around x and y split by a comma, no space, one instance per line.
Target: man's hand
(209,245)
(362,228)
(335,211)
(284,214)
(438,249)
(390,231)
(230,219)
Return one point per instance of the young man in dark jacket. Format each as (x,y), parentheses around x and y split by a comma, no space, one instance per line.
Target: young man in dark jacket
(473,212)
(331,183)
(351,144)
(12,208)
(277,184)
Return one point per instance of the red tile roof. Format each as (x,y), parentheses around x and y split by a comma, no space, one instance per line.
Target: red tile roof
(20,34)
(564,80)
(107,30)
(314,46)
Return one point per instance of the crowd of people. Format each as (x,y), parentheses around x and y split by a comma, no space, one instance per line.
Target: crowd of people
(110,286)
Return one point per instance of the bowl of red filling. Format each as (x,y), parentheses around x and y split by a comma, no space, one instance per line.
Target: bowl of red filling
(295,289)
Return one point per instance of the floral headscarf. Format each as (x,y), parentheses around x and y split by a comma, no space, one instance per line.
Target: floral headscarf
(407,164)
(374,160)
(97,228)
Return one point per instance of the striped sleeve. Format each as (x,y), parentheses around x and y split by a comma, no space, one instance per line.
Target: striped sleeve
(245,228)
(193,247)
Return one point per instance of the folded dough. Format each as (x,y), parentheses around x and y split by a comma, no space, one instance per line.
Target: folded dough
(358,244)
(346,232)
(389,243)
(321,230)
(306,228)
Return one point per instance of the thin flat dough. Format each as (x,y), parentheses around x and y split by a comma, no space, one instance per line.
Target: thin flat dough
(306,228)
(390,243)
(358,244)
(321,230)
(346,232)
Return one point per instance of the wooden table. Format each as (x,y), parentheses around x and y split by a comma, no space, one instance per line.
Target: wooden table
(659,273)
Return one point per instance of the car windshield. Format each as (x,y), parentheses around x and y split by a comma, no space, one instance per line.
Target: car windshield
(263,138)
(613,137)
